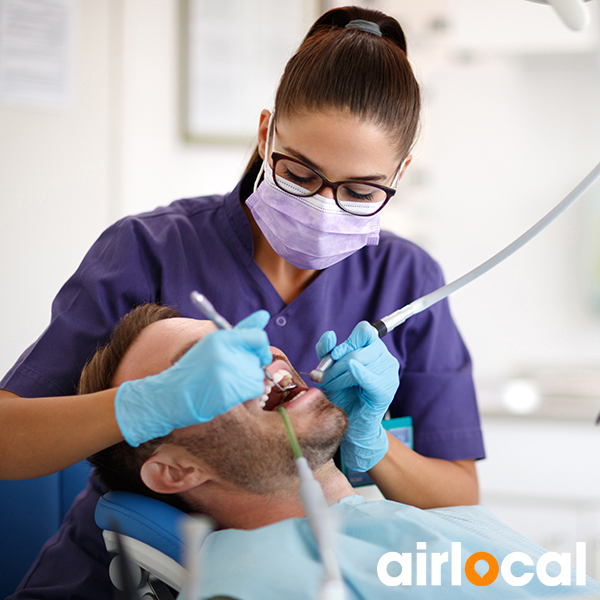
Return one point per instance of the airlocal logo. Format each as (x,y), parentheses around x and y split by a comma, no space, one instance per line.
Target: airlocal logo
(493,570)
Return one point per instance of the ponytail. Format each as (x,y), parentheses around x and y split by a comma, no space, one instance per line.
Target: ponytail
(354,68)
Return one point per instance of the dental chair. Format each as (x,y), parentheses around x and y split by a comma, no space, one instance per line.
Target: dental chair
(31,512)
(151,532)
(151,535)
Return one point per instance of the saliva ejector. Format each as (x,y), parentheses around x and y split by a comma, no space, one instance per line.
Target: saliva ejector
(318,517)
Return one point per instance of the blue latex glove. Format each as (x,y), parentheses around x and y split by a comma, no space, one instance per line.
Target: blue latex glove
(363,383)
(222,370)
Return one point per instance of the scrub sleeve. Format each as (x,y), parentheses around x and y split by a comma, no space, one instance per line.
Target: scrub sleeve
(206,244)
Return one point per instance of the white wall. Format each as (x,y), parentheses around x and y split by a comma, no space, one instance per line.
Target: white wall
(505,137)
(54,186)
(511,125)
(67,174)
(510,138)
(157,166)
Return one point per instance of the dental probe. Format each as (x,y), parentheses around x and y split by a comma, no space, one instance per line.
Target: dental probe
(317,515)
(204,305)
(386,324)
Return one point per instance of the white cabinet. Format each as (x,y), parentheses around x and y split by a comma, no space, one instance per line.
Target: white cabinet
(542,479)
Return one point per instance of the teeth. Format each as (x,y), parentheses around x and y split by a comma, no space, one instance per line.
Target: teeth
(263,400)
(282,378)
(279,375)
(298,395)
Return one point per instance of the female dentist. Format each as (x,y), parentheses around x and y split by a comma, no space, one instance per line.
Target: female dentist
(305,246)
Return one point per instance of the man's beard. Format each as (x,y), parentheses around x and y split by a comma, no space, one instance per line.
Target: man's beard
(240,452)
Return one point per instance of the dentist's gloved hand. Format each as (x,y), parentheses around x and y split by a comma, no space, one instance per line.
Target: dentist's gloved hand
(362,382)
(222,370)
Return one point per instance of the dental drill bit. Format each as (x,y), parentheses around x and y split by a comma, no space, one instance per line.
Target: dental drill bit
(204,305)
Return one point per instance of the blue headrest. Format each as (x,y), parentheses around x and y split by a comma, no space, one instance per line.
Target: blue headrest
(148,520)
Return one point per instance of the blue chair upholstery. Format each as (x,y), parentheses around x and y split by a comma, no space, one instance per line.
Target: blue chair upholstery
(31,511)
(148,520)
(153,541)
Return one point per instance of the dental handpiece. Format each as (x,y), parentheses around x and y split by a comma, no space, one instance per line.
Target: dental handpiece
(387,324)
(204,305)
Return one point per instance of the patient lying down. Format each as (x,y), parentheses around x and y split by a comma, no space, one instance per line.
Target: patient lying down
(239,469)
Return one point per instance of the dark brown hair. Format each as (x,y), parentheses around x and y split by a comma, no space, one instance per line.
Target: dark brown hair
(351,69)
(118,467)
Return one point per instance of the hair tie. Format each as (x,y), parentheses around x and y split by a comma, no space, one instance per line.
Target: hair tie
(367,26)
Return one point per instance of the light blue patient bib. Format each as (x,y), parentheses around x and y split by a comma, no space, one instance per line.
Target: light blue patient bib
(281,561)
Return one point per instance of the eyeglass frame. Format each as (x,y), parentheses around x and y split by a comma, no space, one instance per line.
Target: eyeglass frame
(333,185)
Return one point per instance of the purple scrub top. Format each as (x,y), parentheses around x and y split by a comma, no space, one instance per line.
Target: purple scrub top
(206,244)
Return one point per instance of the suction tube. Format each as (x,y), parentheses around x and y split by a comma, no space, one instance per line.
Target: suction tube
(317,514)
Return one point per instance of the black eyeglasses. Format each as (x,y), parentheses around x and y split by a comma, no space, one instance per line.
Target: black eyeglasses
(355,197)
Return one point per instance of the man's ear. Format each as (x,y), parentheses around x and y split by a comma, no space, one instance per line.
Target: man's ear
(172,470)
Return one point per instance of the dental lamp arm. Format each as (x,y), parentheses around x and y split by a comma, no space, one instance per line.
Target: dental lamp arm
(573,13)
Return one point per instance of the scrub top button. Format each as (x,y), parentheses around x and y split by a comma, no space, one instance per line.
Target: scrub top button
(280,321)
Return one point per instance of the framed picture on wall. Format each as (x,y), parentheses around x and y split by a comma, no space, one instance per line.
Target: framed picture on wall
(233,54)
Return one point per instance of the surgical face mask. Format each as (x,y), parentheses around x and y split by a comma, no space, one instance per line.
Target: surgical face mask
(312,232)
(308,232)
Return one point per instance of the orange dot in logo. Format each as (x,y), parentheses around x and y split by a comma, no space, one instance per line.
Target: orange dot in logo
(473,576)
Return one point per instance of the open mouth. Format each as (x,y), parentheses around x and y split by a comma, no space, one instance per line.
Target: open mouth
(273,397)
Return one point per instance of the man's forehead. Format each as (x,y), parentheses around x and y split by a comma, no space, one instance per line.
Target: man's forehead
(160,345)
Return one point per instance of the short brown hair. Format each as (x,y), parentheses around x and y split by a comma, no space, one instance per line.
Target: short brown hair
(118,467)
